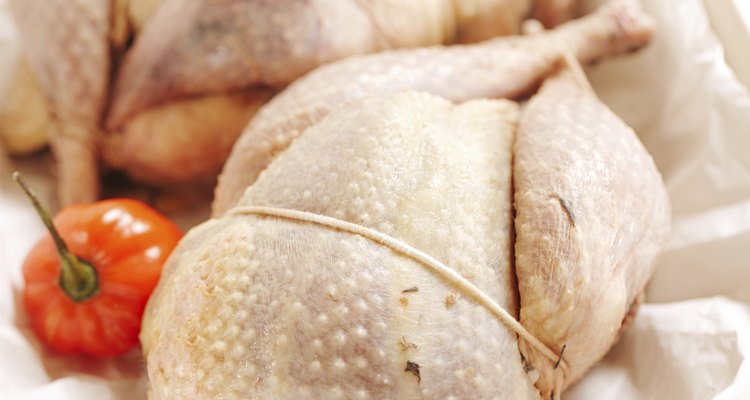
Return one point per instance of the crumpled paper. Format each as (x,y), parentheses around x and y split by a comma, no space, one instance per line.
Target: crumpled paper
(691,341)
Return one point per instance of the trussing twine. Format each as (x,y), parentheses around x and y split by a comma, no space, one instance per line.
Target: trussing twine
(571,61)
(534,27)
(398,246)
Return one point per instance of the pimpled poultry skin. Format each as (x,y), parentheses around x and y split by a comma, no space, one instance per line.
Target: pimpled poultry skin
(507,67)
(105,100)
(592,214)
(211,46)
(69,53)
(257,306)
(556,211)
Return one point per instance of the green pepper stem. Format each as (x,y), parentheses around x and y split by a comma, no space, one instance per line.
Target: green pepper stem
(78,278)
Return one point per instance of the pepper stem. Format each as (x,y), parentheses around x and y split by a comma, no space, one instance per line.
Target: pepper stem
(78,278)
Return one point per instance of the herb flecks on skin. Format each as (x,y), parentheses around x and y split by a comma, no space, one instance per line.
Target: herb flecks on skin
(412,289)
(406,345)
(450,300)
(414,369)
(567,208)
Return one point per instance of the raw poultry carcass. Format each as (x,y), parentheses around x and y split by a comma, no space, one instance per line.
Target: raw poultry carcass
(68,48)
(24,118)
(374,255)
(211,46)
(591,215)
(73,48)
(168,109)
(204,49)
(503,67)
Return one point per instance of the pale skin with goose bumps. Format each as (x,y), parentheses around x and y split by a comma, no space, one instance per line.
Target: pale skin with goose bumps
(500,68)
(288,309)
(194,62)
(284,308)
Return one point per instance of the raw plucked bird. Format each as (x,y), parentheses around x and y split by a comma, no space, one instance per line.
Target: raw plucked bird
(373,246)
(167,109)
(505,67)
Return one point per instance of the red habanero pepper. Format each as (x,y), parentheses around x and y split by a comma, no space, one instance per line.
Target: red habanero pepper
(87,287)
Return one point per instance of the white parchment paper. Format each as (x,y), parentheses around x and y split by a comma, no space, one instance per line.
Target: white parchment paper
(691,341)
